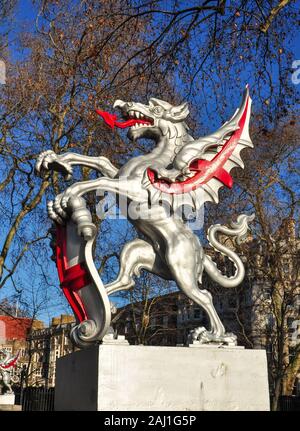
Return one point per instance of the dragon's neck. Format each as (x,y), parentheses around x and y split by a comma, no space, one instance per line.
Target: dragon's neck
(164,150)
(169,144)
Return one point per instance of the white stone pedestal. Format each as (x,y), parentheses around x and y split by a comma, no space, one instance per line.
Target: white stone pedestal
(7,399)
(149,378)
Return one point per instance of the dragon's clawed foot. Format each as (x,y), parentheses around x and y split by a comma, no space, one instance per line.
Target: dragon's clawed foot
(49,160)
(203,336)
(61,209)
(58,209)
(52,213)
(67,205)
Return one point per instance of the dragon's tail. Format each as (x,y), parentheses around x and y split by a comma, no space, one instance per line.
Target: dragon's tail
(239,230)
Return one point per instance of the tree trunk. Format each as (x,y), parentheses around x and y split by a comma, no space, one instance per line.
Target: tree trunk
(277,393)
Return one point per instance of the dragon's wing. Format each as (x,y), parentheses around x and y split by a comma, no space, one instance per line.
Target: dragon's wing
(208,161)
(10,361)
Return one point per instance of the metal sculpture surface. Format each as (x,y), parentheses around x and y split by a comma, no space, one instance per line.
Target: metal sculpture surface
(179,171)
(7,363)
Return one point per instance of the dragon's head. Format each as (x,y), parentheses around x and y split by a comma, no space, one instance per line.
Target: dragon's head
(147,121)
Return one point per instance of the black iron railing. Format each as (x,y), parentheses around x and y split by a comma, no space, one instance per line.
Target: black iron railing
(289,403)
(35,399)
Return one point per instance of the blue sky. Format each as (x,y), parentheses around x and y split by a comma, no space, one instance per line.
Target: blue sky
(25,17)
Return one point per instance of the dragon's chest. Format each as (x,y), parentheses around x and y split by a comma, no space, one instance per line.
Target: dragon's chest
(133,167)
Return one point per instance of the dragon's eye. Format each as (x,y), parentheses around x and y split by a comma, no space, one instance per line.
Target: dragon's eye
(157,110)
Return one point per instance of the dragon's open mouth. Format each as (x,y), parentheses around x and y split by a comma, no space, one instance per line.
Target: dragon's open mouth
(133,119)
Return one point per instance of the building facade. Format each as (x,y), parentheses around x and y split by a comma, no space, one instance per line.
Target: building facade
(44,347)
(13,338)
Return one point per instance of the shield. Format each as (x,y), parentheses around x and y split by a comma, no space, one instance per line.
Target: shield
(81,283)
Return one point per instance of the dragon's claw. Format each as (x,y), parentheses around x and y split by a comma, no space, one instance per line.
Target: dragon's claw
(203,336)
(64,202)
(49,160)
(52,213)
(59,208)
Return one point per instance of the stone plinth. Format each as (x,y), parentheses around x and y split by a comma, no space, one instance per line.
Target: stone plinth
(10,408)
(149,378)
(7,399)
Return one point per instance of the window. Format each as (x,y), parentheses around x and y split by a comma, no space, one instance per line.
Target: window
(179,316)
(269,348)
(232,302)
(185,314)
(290,323)
(165,321)
(267,294)
(270,321)
(190,313)
(285,262)
(197,313)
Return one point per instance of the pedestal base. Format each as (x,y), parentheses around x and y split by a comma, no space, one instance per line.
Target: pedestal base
(149,378)
(7,399)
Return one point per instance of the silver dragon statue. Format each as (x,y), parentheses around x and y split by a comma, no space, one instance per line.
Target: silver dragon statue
(179,170)
(7,363)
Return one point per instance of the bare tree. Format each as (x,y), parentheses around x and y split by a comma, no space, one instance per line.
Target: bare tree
(48,103)
(7,8)
(83,55)
(86,55)
(269,186)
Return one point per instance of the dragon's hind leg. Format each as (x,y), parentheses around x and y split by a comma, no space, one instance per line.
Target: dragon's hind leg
(136,255)
(186,266)
(7,385)
(217,332)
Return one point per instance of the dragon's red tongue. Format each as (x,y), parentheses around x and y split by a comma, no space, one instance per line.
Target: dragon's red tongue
(111,120)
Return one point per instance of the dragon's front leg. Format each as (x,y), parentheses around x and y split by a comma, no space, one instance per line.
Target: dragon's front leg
(49,160)
(62,207)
